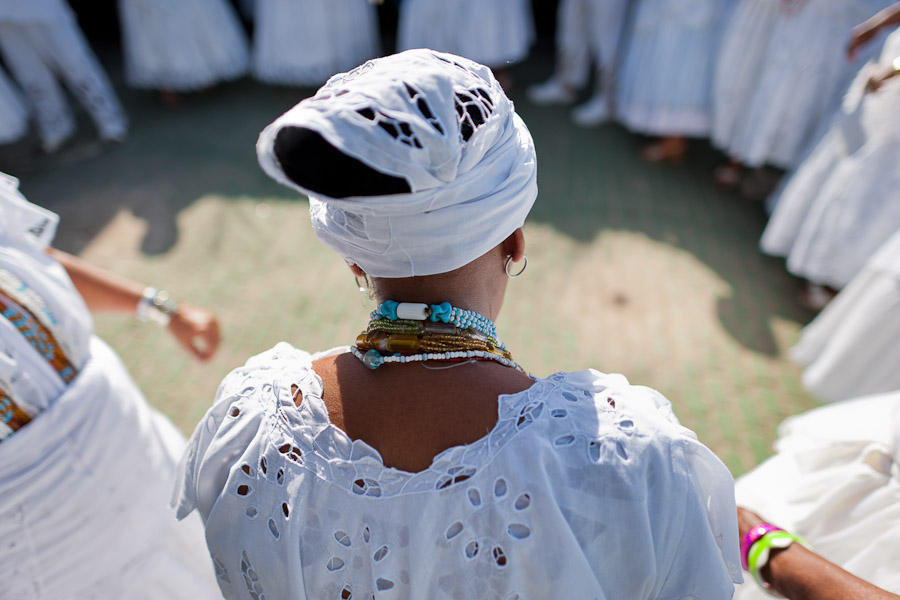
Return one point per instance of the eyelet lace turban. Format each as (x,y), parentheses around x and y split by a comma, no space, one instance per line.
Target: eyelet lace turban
(414,164)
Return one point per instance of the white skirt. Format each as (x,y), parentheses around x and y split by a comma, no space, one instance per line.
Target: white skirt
(304,42)
(85,489)
(852,348)
(495,33)
(835,481)
(13,112)
(780,73)
(841,204)
(181,45)
(665,79)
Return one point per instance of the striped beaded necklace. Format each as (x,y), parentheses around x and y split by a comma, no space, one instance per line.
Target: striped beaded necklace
(404,332)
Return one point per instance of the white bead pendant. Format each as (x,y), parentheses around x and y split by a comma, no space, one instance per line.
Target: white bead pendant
(413,311)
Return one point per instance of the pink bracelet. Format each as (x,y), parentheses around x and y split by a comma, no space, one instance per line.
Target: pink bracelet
(751,537)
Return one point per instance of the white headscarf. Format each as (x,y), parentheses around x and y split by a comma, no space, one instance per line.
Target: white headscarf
(410,115)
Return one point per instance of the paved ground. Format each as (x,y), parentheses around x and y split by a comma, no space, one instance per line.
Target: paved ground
(641,269)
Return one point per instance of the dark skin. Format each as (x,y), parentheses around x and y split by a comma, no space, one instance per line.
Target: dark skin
(412,412)
(800,574)
(866,31)
(195,329)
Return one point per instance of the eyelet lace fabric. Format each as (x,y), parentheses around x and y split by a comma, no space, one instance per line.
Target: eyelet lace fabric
(576,466)
(440,123)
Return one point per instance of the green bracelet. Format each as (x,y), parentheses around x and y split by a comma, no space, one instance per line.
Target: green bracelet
(759,554)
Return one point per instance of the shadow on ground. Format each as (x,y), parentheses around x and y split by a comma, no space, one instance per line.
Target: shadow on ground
(591,181)
(173,156)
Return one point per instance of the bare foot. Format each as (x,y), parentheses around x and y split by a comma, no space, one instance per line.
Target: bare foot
(816,297)
(170,98)
(667,150)
(728,177)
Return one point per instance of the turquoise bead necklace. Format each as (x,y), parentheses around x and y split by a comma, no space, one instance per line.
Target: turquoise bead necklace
(462,319)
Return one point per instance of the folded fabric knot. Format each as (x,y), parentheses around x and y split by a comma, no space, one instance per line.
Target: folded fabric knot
(398,153)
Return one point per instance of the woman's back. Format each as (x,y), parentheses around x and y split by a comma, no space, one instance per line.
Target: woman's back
(410,416)
(584,487)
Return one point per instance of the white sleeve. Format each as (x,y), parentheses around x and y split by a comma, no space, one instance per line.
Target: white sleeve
(704,564)
(227,431)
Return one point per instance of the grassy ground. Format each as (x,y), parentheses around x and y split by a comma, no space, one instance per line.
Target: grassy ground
(634,268)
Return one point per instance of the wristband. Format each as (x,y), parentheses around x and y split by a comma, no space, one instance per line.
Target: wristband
(155,305)
(760,552)
(751,537)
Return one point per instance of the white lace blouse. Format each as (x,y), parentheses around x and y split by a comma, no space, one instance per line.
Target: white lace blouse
(587,487)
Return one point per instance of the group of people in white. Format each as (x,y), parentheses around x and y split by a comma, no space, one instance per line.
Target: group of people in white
(171,46)
(800,85)
(806,86)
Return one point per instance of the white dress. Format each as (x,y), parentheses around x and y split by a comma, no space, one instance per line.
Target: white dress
(835,481)
(666,76)
(587,32)
(851,348)
(492,32)
(13,112)
(568,496)
(840,205)
(781,72)
(181,45)
(304,42)
(40,41)
(84,486)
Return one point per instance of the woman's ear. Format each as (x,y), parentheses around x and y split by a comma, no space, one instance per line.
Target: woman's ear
(356,270)
(514,245)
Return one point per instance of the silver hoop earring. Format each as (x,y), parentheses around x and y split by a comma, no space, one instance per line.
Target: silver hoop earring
(509,260)
(364,286)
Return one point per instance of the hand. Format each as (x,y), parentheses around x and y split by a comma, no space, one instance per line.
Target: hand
(196,329)
(877,79)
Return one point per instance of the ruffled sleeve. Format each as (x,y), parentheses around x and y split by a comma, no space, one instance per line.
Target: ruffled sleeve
(246,398)
(690,501)
(705,561)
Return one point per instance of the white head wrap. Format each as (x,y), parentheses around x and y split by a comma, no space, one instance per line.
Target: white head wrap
(441,123)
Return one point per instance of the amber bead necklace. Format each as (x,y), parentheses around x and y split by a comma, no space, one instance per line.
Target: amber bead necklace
(401,332)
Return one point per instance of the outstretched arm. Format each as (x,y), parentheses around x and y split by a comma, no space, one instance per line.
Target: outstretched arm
(195,329)
(800,574)
(868,29)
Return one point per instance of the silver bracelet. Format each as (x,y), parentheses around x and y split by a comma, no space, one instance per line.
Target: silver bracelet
(156,305)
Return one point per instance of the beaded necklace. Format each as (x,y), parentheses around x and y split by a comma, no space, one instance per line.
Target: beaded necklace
(404,332)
